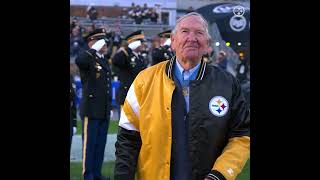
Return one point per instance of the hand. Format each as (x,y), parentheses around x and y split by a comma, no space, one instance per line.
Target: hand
(98,45)
(74,130)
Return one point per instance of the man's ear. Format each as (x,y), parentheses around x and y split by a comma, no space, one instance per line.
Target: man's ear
(172,46)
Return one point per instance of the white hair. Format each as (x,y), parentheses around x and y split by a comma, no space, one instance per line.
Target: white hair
(203,21)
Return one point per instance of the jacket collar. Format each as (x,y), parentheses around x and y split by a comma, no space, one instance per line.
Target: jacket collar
(170,66)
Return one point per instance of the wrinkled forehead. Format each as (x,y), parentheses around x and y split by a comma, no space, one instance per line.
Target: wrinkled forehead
(192,22)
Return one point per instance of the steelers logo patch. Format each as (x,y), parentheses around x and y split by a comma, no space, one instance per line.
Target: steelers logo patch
(218,106)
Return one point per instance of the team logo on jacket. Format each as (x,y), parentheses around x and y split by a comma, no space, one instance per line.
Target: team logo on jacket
(218,106)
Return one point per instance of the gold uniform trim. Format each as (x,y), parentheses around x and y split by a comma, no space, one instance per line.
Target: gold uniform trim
(99,34)
(85,137)
(133,38)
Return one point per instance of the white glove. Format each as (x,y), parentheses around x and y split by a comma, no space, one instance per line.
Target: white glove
(74,130)
(98,45)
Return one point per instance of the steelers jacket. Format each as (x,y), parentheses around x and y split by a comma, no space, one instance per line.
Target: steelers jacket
(218,126)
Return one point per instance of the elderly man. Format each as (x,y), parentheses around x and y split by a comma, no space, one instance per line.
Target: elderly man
(183,119)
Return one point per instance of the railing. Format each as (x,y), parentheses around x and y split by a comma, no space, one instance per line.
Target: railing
(127,26)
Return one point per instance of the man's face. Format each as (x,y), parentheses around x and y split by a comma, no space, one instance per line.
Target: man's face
(190,41)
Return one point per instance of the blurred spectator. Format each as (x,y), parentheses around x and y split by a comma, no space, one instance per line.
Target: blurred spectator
(155,42)
(222,61)
(133,6)
(144,53)
(92,13)
(124,13)
(138,15)
(242,69)
(108,31)
(208,56)
(190,9)
(76,42)
(74,22)
(117,38)
(145,11)
(87,31)
(131,11)
(154,16)
(93,25)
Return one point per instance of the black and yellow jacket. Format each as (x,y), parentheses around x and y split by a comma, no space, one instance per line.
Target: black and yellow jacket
(218,141)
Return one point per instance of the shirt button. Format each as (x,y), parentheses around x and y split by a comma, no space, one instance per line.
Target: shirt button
(107,91)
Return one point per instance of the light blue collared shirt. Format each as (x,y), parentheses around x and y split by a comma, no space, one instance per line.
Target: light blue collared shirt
(184,77)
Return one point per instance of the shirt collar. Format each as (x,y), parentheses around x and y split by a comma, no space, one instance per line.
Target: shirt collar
(191,71)
(99,55)
(135,53)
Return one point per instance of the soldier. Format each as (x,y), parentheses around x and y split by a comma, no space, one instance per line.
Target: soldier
(164,52)
(129,63)
(95,104)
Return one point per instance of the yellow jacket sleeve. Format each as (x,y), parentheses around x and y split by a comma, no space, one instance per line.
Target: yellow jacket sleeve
(234,157)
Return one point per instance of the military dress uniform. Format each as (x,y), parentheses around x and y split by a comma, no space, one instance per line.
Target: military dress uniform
(163,52)
(95,107)
(129,64)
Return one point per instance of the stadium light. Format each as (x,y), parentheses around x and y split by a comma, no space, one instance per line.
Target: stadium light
(239,43)
(217,44)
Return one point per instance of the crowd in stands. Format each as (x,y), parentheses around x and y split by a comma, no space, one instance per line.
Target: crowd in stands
(140,14)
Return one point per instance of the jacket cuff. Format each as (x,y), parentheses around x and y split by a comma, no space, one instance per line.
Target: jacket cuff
(92,51)
(215,175)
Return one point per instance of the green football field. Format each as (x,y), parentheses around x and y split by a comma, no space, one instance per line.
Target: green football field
(107,169)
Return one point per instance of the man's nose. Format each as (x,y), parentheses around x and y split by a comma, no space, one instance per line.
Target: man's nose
(192,37)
